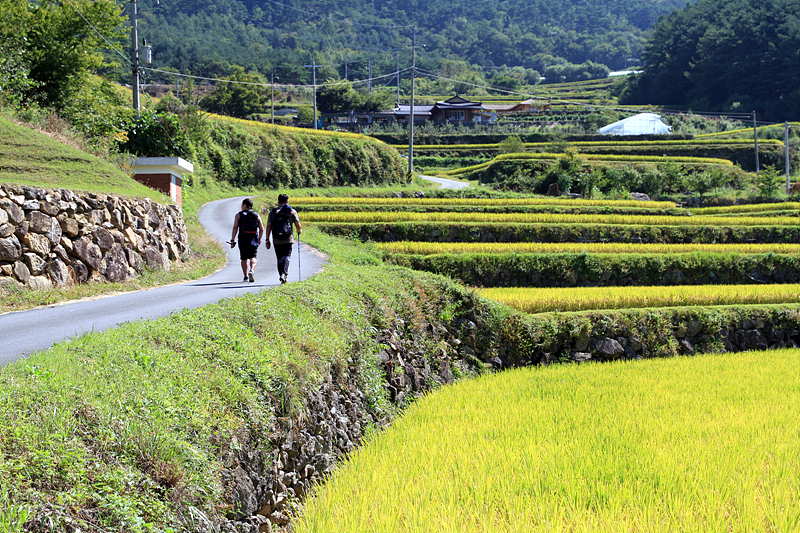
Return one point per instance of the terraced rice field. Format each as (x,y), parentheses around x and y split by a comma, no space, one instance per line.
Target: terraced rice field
(434,248)
(707,443)
(544,218)
(744,223)
(540,300)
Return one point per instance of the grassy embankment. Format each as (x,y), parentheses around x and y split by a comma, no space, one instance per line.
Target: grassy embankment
(687,444)
(126,430)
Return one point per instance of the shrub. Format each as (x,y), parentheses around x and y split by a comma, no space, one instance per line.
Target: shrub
(512,145)
(768,181)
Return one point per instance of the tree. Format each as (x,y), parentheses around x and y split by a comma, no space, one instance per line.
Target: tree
(512,145)
(237,99)
(339,96)
(64,49)
(15,79)
(717,56)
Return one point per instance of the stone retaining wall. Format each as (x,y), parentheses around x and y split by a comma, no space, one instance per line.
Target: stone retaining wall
(264,488)
(59,237)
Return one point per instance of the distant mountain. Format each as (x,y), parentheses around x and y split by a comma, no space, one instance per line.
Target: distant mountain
(203,36)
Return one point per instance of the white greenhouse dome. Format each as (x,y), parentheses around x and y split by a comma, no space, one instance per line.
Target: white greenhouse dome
(641,124)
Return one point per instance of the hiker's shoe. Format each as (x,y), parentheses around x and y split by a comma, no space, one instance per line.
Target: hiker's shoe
(283,278)
(250,276)
(246,279)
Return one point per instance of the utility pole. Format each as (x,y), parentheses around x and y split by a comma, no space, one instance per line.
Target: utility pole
(411,110)
(369,80)
(755,136)
(135,58)
(786,144)
(272,94)
(397,77)
(314,67)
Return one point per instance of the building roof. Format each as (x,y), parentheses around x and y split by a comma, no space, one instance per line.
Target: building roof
(641,124)
(499,107)
(419,110)
(458,102)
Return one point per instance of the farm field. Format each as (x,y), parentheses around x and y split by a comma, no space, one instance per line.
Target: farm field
(545,218)
(542,300)
(707,443)
(730,246)
(433,248)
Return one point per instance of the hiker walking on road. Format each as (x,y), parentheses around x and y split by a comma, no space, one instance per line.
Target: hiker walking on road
(250,228)
(279,223)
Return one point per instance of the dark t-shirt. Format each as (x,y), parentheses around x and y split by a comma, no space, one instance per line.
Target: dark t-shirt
(292,219)
(248,227)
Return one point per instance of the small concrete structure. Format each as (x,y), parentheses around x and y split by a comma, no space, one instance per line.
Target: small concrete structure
(164,174)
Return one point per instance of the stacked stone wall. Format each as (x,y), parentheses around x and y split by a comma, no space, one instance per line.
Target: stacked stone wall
(59,237)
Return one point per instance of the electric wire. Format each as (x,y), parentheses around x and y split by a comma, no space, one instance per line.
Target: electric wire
(111,46)
(286,85)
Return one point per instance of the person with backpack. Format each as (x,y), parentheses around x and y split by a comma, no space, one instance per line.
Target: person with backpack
(279,223)
(250,228)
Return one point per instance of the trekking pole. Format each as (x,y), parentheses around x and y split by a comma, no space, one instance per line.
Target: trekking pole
(299,278)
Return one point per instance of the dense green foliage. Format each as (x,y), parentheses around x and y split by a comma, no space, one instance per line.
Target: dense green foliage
(531,36)
(49,48)
(510,232)
(725,56)
(527,174)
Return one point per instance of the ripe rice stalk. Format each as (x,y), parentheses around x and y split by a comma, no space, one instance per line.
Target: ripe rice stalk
(748,208)
(586,298)
(544,218)
(705,443)
(323,200)
(435,248)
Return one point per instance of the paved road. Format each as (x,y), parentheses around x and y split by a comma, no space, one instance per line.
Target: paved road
(26,332)
(446,183)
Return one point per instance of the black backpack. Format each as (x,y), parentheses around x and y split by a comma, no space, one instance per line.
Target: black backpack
(282,222)
(248,225)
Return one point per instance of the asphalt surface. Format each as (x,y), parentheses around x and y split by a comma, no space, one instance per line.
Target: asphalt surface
(26,332)
(445,183)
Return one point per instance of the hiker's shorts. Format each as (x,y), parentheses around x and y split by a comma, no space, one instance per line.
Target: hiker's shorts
(247,251)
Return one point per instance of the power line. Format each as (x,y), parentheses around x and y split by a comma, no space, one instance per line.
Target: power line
(111,46)
(261,84)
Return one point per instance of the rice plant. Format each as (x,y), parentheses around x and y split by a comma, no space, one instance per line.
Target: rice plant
(435,248)
(534,300)
(707,443)
(544,218)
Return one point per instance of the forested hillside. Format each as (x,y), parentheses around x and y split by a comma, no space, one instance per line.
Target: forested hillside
(201,35)
(738,55)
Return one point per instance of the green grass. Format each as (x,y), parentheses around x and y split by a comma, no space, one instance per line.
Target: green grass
(126,430)
(31,158)
(707,443)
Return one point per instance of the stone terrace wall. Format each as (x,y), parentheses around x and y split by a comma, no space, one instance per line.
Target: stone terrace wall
(59,237)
